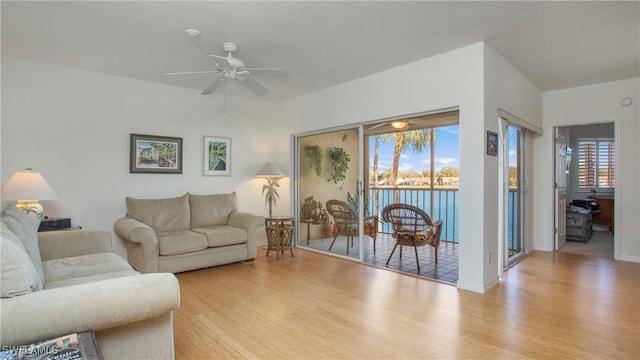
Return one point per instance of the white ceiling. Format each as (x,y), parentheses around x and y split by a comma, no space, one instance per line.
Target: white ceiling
(555,44)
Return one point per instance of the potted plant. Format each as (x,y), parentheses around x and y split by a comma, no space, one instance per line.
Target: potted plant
(370,222)
(354,202)
(328,227)
(339,165)
(309,209)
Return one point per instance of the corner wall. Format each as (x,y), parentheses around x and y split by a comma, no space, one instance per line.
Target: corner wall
(452,79)
(508,90)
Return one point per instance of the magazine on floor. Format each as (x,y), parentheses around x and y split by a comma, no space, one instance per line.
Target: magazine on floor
(80,346)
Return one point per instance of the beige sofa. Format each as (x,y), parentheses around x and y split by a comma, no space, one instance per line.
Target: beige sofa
(62,282)
(187,232)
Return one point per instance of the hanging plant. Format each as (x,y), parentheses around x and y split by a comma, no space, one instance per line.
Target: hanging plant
(315,154)
(339,165)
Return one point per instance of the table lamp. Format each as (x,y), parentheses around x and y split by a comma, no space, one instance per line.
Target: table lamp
(22,186)
(271,173)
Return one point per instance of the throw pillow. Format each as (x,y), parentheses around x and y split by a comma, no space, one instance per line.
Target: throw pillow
(21,225)
(18,276)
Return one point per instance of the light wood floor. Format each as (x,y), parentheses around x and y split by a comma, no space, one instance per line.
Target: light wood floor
(550,305)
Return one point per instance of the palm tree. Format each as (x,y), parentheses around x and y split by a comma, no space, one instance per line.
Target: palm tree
(414,140)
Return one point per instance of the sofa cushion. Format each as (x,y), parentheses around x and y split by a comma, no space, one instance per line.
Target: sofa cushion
(21,225)
(90,279)
(84,266)
(18,276)
(180,242)
(222,235)
(209,210)
(161,214)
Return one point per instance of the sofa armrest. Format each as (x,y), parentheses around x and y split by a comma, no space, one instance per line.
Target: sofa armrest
(249,222)
(143,248)
(87,307)
(68,243)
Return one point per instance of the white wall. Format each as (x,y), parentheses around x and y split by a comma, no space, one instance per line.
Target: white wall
(453,79)
(587,105)
(506,89)
(73,126)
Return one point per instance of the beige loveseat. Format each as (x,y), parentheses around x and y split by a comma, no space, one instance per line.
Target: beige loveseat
(62,282)
(187,232)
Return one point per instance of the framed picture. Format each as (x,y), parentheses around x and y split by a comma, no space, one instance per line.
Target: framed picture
(155,154)
(217,156)
(492,143)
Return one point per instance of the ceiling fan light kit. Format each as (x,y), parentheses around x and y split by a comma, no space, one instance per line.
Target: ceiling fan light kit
(192,32)
(399,124)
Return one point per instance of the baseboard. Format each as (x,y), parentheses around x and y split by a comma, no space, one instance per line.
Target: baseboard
(628,258)
(479,288)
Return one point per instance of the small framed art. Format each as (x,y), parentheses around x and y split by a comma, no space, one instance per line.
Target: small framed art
(492,143)
(154,154)
(217,156)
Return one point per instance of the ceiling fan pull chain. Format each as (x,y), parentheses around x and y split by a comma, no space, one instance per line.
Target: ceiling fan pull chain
(224,97)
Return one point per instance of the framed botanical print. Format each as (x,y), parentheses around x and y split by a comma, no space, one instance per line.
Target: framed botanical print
(155,154)
(217,156)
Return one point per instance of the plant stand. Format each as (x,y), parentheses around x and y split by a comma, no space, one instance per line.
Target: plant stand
(280,232)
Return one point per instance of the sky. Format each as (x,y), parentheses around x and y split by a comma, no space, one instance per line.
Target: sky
(446,153)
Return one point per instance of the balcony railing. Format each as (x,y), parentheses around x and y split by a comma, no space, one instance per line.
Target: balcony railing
(445,207)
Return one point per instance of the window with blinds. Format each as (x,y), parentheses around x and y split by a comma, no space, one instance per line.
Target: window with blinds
(596,163)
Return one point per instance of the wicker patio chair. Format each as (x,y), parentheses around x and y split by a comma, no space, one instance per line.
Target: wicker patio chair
(412,227)
(345,219)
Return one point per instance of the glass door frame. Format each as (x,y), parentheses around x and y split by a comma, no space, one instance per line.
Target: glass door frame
(521,186)
(301,231)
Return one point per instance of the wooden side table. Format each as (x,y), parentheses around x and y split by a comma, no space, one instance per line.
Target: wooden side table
(280,230)
(605,216)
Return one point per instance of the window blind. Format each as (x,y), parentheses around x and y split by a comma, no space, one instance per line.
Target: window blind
(596,163)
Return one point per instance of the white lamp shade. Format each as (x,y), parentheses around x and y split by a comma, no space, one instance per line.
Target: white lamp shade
(27,185)
(270,171)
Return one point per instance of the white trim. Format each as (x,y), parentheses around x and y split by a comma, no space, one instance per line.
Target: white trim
(479,289)
(635,259)
(519,122)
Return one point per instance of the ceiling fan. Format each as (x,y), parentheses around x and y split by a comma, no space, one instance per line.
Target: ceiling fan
(230,67)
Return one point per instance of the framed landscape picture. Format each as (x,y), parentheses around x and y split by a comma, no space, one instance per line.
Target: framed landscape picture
(155,154)
(217,156)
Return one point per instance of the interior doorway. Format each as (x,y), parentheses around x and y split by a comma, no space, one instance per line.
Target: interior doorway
(590,181)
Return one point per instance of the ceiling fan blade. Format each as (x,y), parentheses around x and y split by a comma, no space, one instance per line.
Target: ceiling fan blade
(226,59)
(241,73)
(191,73)
(253,86)
(269,72)
(378,125)
(214,85)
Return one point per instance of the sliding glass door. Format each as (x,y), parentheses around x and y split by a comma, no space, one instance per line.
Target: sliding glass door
(327,191)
